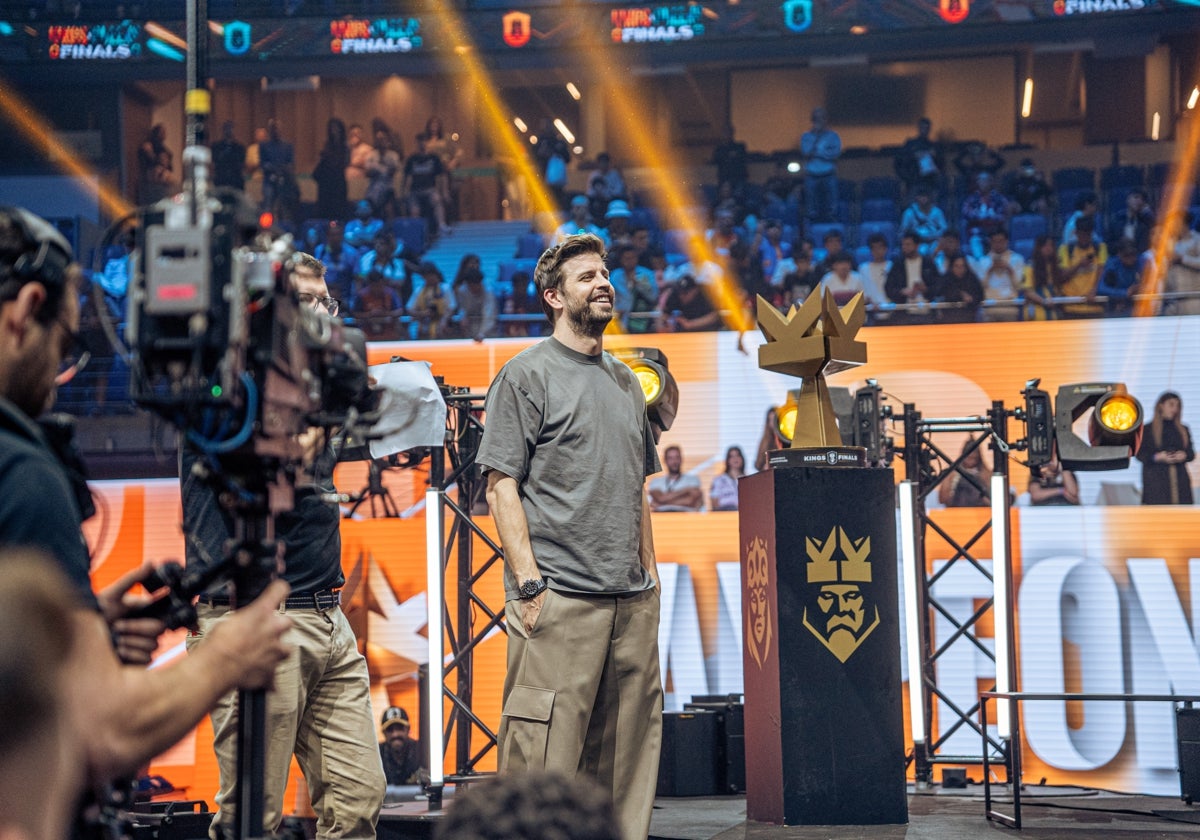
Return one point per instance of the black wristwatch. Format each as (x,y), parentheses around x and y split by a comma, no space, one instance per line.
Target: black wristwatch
(530,589)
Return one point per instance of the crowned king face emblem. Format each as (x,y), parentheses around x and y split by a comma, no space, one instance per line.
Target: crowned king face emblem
(757,619)
(839,610)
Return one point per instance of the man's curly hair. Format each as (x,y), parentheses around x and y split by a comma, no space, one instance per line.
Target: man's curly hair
(531,806)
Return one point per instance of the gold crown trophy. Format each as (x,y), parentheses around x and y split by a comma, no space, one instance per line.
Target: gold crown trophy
(814,339)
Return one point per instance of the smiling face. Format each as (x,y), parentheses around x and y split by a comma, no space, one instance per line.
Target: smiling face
(586,296)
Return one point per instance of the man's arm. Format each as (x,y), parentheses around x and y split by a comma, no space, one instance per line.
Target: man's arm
(504,499)
(133,714)
(646,547)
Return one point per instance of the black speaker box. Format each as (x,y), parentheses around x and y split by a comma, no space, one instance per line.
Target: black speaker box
(731,739)
(688,763)
(1187,734)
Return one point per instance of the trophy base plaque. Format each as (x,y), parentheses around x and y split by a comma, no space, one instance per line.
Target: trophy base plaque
(817,456)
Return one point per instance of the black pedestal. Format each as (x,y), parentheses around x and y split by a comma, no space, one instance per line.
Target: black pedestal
(824,725)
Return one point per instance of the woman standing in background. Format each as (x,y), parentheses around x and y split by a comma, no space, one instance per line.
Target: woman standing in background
(1166,448)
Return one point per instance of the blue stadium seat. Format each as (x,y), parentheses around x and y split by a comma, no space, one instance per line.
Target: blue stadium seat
(817,233)
(883,187)
(888,229)
(1073,178)
(675,242)
(1121,176)
(861,255)
(1027,226)
(530,245)
(879,210)
(847,190)
(411,232)
(1024,247)
(507,268)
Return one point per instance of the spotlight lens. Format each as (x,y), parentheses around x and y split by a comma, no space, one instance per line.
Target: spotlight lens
(786,421)
(1119,413)
(650,380)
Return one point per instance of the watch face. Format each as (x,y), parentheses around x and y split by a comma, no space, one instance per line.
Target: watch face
(531,588)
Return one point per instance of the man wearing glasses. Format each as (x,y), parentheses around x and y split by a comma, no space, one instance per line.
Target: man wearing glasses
(122,715)
(320,709)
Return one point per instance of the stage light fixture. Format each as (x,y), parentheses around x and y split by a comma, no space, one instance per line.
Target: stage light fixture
(649,365)
(869,413)
(1114,430)
(1039,424)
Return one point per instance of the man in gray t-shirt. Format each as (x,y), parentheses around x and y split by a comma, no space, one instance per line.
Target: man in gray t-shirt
(566,448)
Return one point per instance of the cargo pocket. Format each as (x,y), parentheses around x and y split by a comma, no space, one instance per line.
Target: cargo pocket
(527,720)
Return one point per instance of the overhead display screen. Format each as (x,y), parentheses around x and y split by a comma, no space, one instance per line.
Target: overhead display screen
(503,25)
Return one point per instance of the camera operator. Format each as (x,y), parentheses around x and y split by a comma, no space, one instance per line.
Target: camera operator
(132,714)
(320,709)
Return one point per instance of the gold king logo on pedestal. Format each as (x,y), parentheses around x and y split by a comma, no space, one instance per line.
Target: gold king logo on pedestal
(839,616)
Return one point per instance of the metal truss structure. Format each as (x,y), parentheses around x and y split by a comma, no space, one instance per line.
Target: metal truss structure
(927,466)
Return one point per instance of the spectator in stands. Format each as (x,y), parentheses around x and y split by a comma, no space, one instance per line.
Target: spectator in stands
(723,494)
(967,486)
(774,252)
(919,163)
(831,244)
(744,272)
(685,308)
(924,219)
(1029,191)
(769,441)
(797,285)
(1085,207)
(276,157)
(842,280)
(634,290)
(1166,448)
(616,218)
(432,304)
(1133,222)
(959,285)
(229,160)
(782,185)
(975,158)
(639,238)
(330,172)
(156,169)
(475,308)
(730,158)
(377,308)
(984,211)
(340,261)
(424,185)
(1120,279)
(580,222)
(1002,272)
(912,278)
(521,302)
(675,491)
(875,270)
(1051,485)
(360,153)
(389,260)
(553,156)
(465,265)
(446,147)
(1043,281)
(362,229)
(724,233)
(1081,262)
(948,244)
(382,165)
(1184,273)
(604,185)
(820,148)
(254,152)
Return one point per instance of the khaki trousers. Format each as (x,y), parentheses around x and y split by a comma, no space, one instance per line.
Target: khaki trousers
(320,710)
(583,695)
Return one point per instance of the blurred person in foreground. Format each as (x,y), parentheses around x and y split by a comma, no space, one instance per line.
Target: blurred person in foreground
(530,806)
(132,714)
(567,447)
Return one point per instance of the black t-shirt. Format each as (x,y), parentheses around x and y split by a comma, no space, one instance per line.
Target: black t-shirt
(695,308)
(401,766)
(313,543)
(424,170)
(229,158)
(37,507)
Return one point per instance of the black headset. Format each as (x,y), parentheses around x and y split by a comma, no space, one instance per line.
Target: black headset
(46,254)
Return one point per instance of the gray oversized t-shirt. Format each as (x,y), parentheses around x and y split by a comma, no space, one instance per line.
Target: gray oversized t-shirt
(572,430)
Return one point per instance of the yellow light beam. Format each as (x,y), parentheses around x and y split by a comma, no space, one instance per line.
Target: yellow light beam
(41,134)
(635,117)
(1180,184)
(464,57)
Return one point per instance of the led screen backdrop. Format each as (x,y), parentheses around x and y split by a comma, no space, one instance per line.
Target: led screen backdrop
(1107,597)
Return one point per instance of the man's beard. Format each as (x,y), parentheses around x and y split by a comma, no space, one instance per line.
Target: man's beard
(586,322)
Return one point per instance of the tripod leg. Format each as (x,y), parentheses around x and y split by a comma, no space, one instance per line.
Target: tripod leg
(251,762)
